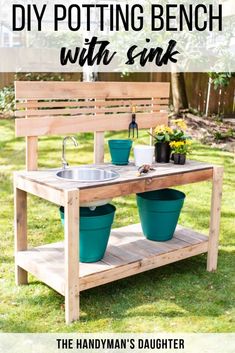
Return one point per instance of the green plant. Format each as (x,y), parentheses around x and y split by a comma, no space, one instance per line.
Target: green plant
(230,133)
(219,136)
(217,118)
(7,100)
(34,76)
(194,111)
(224,135)
(220,79)
(162,133)
(181,147)
(175,132)
(7,94)
(179,127)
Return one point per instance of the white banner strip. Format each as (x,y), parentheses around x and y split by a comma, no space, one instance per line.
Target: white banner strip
(162,342)
(121,36)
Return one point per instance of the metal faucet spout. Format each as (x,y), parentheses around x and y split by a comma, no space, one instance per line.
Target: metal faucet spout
(64,161)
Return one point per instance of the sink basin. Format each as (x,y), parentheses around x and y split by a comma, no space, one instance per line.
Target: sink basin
(87,175)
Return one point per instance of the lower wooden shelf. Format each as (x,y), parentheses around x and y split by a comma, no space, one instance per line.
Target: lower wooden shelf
(128,253)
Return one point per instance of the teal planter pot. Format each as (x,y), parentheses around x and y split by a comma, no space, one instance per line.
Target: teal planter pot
(159,213)
(120,151)
(95,228)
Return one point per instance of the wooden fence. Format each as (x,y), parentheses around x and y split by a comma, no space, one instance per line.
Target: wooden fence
(6,79)
(222,101)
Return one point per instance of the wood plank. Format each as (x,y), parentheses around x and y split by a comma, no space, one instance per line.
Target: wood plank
(20,229)
(134,232)
(136,247)
(142,185)
(92,111)
(114,256)
(45,192)
(98,147)
(93,103)
(151,131)
(72,90)
(190,236)
(125,235)
(126,174)
(215,218)
(31,153)
(153,248)
(126,253)
(88,268)
(174,244)
(142,266)
(46,265)
(71,258)
(136,243)
(130,255)
(98,143)
(94,274)
(50,126)
(112,260)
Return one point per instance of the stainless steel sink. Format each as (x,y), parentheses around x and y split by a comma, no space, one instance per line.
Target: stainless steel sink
(87,175)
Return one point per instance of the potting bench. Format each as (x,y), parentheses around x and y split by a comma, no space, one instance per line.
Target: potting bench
(49,108)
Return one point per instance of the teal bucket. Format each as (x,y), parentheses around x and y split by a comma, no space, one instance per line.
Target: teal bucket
(159,212)
(95,228)
(120,151)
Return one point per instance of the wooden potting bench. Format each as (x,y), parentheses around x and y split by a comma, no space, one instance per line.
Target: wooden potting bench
(51,108)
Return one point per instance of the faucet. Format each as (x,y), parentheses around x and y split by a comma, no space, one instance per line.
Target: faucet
(64,162)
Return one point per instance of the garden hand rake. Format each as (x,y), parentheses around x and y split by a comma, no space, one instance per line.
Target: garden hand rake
(133,125)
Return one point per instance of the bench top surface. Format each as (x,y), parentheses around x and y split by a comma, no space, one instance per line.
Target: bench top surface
(127,174)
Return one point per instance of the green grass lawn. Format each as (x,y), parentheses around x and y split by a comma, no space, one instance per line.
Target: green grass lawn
(181,297)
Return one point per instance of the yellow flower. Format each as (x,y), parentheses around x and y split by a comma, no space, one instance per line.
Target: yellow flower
(177,144)
(162,129)
(182,146)
(180,123)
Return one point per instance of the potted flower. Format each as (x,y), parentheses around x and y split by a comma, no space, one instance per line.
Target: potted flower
(179,150)
(162,136)
(179,128)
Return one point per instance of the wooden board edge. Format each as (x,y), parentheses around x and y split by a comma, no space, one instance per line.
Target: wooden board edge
(102,89)
(67,125)
(124,188)
(53,281)
(142,266)
(41,190)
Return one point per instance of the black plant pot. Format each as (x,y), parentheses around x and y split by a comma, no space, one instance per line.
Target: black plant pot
(162,152)
(179,158)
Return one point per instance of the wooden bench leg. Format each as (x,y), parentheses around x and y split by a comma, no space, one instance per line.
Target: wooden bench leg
(71,226)
(20,201)
(99,147)
(215,219)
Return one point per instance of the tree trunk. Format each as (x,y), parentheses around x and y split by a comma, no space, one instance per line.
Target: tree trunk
(179,95)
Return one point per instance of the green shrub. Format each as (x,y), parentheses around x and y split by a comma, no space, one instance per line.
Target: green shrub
(224,135)
(35,76)
(7,94)
(7,100)
(221,79)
